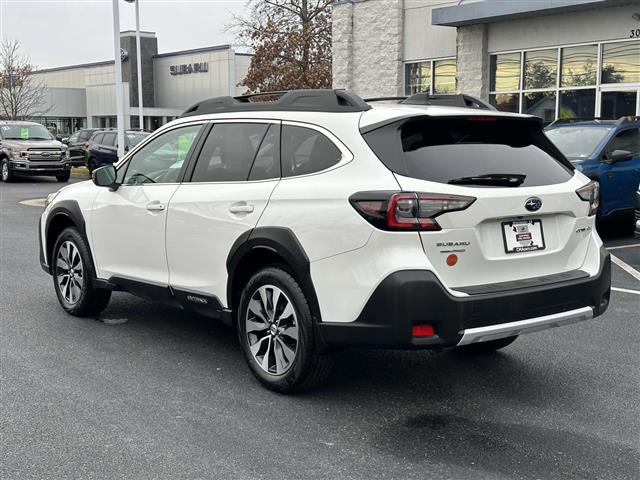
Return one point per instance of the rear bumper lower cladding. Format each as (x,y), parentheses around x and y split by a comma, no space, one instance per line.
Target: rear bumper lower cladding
(416,297)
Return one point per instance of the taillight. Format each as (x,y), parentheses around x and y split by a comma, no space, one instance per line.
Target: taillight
(407,210)
(590,193)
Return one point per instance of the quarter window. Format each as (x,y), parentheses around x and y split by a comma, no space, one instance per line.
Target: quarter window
(229,152)
(160,160)
(306,151)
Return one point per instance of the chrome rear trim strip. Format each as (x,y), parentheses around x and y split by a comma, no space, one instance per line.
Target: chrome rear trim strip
(493,332)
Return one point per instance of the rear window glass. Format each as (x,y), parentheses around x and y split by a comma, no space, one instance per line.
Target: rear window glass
(446,149)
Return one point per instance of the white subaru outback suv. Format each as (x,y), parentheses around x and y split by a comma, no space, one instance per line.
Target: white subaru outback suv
(316,221)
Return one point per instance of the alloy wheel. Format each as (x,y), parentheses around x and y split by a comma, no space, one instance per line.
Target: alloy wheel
(272,329)
(5,171)
(69,272)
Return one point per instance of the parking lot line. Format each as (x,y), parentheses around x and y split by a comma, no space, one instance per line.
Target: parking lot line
(625,290)
(623,246)
(626,267)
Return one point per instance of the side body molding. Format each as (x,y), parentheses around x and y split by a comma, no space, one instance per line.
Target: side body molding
(283,242)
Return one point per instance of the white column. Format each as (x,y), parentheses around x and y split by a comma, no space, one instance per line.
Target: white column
(139,63)
(118,85)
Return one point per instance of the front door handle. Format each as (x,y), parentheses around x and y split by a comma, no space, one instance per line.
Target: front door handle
(241,208)
(155,207)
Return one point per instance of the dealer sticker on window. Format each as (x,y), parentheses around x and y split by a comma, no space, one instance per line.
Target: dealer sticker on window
(522,236)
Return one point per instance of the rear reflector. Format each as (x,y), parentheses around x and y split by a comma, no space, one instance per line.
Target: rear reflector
(422,331)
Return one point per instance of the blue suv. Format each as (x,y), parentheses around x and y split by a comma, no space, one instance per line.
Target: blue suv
(607,151)
(102,147)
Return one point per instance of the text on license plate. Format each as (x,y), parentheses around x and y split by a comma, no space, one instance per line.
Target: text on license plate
(522,236)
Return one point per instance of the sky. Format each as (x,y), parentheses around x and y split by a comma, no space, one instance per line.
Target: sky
(55,33)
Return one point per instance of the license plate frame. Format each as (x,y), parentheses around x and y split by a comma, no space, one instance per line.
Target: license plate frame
(527,230)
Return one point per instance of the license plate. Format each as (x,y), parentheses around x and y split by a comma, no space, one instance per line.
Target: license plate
(522,236)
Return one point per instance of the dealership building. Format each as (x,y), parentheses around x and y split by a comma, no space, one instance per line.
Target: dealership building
(550,58)
(82,96)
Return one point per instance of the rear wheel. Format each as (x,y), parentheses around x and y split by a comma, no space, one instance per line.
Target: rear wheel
(74,276)
(275,329)
(481,348)
(5,171)
(63,177)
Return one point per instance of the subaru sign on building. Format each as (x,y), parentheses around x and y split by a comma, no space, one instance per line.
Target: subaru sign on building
(81,96)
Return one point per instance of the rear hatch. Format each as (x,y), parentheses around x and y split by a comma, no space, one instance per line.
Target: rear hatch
(520,216)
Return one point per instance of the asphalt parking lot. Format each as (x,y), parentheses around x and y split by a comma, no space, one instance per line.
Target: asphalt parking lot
(149,392)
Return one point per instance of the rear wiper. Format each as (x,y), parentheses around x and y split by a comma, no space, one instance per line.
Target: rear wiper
(494,179)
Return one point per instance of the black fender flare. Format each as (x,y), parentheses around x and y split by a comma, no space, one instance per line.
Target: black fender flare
(283,242)
(71,210)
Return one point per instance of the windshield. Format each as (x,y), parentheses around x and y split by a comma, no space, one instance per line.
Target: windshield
(577,142)
(25,132)
(136,138)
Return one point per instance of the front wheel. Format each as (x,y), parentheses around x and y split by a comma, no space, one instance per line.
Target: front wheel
(275,329)
(63,177)
(482,348)
(5,171)
(74,276)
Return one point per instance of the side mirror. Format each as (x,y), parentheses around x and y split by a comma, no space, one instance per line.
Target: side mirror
(105,177)
(65,141)
(619,156)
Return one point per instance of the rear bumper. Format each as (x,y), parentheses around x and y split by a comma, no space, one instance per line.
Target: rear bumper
(411,297)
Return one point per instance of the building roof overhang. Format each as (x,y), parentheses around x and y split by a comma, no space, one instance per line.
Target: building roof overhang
(488,11)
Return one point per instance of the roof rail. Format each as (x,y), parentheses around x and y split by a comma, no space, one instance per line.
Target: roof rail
(459,100)
(320,100)
(560,121)
(628,119)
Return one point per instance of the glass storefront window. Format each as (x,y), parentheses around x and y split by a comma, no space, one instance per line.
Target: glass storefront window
(417,78)
(621,62)
(540,104)
(445,76)
(577,103)
(579,66)
(540,68)
(618,104)
(505,102)
(505,72)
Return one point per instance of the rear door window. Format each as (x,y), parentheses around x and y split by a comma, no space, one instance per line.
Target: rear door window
(448,149)
(97,139)
(229,151)
(306,151)
(109,140)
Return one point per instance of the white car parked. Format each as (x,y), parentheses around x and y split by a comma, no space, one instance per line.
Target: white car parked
(316,221)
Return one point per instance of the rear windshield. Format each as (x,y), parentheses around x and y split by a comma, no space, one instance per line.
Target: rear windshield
(135,138)
(448,149)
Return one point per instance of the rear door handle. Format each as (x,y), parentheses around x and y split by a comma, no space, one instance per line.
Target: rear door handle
(155,207)
(241,208)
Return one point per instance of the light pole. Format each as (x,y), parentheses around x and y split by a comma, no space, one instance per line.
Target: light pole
(138,63)
(119,88)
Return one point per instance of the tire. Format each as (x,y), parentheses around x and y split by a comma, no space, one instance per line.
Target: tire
(6,175)
(483,348)
(269,337)
(91,164)
(80,298)
(63,177)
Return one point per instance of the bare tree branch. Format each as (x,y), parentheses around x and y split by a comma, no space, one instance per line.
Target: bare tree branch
(21,94)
